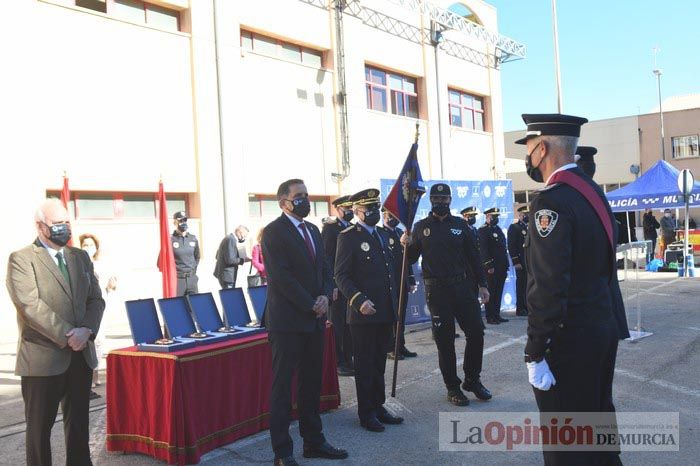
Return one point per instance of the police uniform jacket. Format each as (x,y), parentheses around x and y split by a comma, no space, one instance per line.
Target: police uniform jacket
(571,270)
(186,252)
(331,229)
(364,270)
(492,246)
(448,249)
(397,253)
(517,232)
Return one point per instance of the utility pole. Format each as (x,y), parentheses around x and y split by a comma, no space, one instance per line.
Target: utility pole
(657,72)
(557,72)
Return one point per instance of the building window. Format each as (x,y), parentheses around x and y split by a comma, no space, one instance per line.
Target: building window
(136,11)
(272,47)
(685,146)
(466,110)
(520,197)
(119,205)
(391,92)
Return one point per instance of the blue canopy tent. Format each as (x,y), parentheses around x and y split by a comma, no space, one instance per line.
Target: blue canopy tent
(657,188)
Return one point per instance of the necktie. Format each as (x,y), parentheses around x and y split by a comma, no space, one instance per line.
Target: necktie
(307,240)
(62,266)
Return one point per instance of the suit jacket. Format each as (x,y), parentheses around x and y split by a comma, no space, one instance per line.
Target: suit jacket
(228,259)
(293,281)
(48,307)
(365,270)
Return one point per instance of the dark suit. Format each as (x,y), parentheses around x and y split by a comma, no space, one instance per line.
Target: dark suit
(227,261)
(517,232)
(364,269)
(48,306)
(576,311)
(343,338)
(492,246)
(396,249)
(295,333)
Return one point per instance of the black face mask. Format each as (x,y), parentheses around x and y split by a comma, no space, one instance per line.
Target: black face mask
(302,207)
(526,219)
(60,234)
(391,222)
(348,215)
(533,172)
(494,221)
(440,208)
(371,217)
(471,220)
(182,227)
(587,166)
(241,240)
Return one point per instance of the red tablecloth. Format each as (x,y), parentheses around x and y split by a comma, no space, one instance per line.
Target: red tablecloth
(178,406)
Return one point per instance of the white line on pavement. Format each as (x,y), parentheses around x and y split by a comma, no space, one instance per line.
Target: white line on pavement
(644,292)
(660,383)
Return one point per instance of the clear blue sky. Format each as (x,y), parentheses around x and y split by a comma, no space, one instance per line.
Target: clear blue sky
(605,55)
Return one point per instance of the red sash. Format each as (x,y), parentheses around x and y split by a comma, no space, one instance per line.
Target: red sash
(590,194)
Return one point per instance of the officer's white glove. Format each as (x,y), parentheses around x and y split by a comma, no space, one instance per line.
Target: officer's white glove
(540,376)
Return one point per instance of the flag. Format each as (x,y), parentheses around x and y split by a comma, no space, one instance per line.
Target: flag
(166,259)
(402,201)
(65,198)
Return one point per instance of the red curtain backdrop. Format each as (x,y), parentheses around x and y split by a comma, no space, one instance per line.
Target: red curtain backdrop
(166,260)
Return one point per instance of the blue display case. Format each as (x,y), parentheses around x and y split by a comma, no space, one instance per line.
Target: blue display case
(146,329)
(236,311)
(179,322)
(207,315)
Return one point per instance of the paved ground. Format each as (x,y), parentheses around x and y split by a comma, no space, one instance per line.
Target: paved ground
(658,373)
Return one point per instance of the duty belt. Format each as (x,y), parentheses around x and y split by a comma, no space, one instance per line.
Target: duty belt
(445,281)
(185,274)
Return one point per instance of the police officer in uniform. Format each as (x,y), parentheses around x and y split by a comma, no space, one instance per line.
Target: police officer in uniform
(450,263)
(186,252)
(517,233)
(575,315)
(469,214)
(364,272)
(343,339)
(492,246)
(391,228)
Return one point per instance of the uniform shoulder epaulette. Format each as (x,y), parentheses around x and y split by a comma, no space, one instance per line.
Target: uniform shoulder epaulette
(329,220)
(347,229)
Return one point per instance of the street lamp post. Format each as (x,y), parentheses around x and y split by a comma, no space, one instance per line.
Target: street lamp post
(657,73)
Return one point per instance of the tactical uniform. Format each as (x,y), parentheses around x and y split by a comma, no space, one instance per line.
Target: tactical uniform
(186,252)
(450,263)
(364,271)
(343,338)
(494,255)
(517,233)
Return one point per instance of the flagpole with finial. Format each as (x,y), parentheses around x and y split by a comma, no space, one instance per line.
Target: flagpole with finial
(403,294)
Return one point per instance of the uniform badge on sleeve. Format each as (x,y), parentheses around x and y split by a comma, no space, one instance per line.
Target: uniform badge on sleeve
(426,232)
(545,221)
(364,247)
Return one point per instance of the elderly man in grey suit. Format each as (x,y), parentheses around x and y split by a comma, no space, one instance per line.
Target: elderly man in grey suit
(59,309)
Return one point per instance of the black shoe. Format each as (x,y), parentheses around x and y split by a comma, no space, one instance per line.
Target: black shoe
(373,425)
(501,319)
(386,417)
(94,395)
(408,354)
(493,321)
(478,389)
(456,335)
(325,450)
(521,313)
(286,461)
(391,356)
(457,398)
(345,371)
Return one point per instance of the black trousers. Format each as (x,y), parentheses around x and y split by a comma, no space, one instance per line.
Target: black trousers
(187,285)
(42,396)
(371,343)
(582,360)
(496,282)
(520,288)
(341,330)
(300,352)
(650,253)
(446,304)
